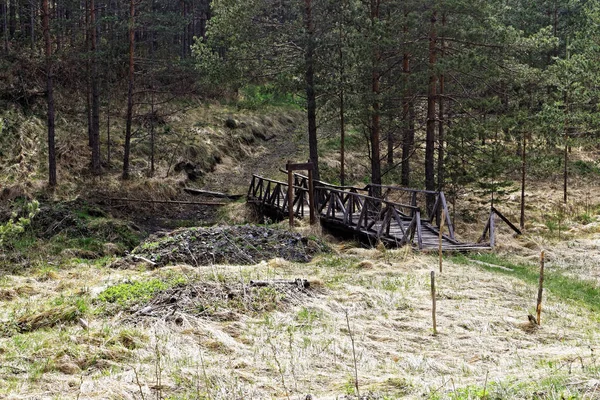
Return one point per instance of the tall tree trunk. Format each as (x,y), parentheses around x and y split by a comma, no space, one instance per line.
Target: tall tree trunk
(5,25)
(311,99)
(431,115)
(12,19)
(95,112)
(390,146)
(375,116)
(342,98)
(32,15)
(523,174)
(408,133)
(108,129)
(52,180)
(127,148)
(441,118)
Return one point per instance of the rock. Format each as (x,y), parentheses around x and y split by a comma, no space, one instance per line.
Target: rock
(231,123)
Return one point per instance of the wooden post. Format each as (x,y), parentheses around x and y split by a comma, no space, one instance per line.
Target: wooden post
(311,197)
(290,193)
(492,229)
(433,302)
(441,237)
(540,290)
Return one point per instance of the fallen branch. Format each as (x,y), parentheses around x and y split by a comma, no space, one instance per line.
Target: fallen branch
(201,192)
(301,283)
(144,259)
(195,203)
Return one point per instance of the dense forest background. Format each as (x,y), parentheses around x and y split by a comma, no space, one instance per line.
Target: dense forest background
(438,94)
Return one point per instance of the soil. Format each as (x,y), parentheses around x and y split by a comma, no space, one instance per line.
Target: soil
(237,245)
(220,301)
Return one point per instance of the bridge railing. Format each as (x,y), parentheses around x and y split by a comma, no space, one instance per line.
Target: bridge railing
(369,214)
(273,193)
(417,198)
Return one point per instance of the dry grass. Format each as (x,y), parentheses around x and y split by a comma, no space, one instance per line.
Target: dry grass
(305,347)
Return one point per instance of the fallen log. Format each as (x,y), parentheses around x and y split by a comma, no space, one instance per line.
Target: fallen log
(301,283)
(194,203)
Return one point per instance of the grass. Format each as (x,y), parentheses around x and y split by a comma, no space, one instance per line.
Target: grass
(580,291)
(126,294)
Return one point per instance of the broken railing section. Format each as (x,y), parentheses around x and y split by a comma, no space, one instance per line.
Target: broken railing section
(413,197)
(352,209)
(490,227)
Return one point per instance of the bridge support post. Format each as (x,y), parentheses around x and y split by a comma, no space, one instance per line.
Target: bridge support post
(311,197)
(290,168)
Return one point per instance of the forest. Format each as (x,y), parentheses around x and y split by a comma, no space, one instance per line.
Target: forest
(131,265)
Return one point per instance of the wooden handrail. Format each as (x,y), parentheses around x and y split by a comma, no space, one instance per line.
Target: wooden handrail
(280,183)
(364,196)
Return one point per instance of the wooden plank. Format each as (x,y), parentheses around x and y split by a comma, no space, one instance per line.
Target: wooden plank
(193,203)
(298,166)
(202,192)
(434,210)
(447,213)
(419,232)
(492,229)
(510,224)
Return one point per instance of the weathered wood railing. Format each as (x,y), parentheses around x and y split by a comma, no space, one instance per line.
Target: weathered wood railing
(381,219)
(440,206)
(354,211)
(274,194)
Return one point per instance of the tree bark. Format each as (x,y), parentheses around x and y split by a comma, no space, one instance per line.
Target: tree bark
(441,111)
(52,180)
(5,25)
(408,134)
(342,99)
(375,116)
(95,104)
(523,174)
(311,98)
(431,115)
(12,20)
(127,148)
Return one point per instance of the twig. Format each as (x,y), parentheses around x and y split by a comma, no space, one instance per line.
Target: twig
(139,385)
(279,367)
(483,396)
(353,354)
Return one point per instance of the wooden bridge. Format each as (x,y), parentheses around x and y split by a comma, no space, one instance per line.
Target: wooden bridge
(394,217)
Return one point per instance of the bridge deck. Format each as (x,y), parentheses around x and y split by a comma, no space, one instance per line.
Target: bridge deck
(362,215)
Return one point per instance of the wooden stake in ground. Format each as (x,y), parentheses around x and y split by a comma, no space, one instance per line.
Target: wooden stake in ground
(540,289)
(441,229)
(433,302)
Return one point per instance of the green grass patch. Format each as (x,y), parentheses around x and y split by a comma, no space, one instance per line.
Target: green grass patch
(129,293)
(256,97)
(567,288)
